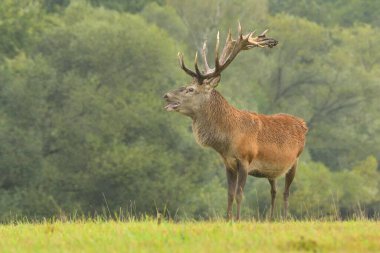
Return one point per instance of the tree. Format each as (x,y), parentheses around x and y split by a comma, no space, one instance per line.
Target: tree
(87,107)
(132,6)
(20,24)
(334,12)
(204,18)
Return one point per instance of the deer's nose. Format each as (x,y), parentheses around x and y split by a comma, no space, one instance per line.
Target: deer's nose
(165,96)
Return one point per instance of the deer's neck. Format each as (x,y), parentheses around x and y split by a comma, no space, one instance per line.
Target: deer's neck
(213,123)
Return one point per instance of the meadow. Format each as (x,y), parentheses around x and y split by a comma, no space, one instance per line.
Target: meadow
(213,236)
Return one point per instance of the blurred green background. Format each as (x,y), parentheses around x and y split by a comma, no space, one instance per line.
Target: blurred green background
(83,128)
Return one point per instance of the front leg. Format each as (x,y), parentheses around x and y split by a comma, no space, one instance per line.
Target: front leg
(231,181)
(242,173)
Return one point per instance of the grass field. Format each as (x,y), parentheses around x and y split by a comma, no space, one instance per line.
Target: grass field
(148,236)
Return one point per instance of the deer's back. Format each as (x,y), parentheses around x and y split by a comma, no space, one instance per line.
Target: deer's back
(281,130)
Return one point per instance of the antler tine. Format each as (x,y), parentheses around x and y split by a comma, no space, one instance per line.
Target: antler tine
(263,33)
(229,36)
(240,31)
(182,65)
(217,53)
(247,39)
(228,46)
(249,35)
(204,49)
(196,64)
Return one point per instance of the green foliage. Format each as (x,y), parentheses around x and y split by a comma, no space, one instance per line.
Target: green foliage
(82,127)
(124,5)
(204,18)
(92,117)
(20,22)
(318,192)
(342,12)
(166,18)
(55,5)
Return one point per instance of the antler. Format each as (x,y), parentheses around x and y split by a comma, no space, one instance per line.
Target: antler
(230,51)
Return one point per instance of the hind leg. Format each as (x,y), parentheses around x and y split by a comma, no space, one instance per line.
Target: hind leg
(242,174)
(288,181)
(273,192)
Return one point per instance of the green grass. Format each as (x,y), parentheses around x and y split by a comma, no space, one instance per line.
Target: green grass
(148,236)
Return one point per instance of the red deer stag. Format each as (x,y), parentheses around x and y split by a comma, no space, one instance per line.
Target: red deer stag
(253,144)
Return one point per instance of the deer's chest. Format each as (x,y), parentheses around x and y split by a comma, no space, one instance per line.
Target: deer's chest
(209,136)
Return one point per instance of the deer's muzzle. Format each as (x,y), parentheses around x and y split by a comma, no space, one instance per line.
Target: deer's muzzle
(171,104)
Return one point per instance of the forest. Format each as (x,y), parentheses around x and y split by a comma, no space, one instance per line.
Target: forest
(83,130)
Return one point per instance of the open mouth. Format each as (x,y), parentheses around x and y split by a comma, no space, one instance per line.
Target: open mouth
(172,106)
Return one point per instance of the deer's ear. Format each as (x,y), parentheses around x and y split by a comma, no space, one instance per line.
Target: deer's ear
(212,82)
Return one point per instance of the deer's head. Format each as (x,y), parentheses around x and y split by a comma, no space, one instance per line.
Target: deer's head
(192,97)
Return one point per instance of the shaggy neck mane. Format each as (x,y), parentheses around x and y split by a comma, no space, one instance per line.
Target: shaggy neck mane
(216,110)
(214,122)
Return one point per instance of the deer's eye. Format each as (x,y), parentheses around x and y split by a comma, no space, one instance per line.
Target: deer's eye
(190,90)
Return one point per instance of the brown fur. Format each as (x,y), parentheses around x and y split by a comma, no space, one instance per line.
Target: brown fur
(262,141)
(250,144)
(259,145)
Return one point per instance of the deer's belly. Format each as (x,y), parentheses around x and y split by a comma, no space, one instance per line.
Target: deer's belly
(268,169)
